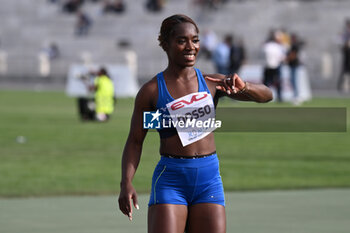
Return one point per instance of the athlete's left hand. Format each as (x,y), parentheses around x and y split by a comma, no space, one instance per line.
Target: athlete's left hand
(231,84)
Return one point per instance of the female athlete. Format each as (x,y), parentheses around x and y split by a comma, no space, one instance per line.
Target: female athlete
(187,192)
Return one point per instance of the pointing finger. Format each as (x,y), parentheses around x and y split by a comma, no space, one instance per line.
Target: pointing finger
(216,80)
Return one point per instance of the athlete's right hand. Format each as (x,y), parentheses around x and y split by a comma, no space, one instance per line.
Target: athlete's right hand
(127,194)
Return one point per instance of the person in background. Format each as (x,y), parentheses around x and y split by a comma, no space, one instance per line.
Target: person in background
(104,95)
(345,50)
(115,6)
(208,43)
(237,56)
(83,24)
(293,60)
(155,5)
(72,6)
(284,38)
(221,55)
(52,51)
(274,54)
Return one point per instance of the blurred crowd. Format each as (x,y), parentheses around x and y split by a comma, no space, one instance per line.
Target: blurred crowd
(279,48)
(119,6)
(84,21)
(107,6)
(228,54)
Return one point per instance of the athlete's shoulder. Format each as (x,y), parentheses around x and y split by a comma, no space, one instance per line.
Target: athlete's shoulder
(149,91)
(150,86)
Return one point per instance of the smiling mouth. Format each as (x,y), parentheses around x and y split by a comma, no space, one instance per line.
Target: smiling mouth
(190,56)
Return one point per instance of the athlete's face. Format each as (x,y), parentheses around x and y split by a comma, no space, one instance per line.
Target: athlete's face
(183,45)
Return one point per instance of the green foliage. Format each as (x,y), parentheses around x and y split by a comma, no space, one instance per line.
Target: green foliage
(59,155)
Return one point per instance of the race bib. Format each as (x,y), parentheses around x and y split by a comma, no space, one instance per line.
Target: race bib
(193,116)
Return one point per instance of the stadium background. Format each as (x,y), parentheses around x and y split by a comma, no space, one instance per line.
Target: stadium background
(27,26)
(52,165)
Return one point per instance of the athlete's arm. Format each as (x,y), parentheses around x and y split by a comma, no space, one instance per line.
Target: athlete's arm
(234,87)
(132,150)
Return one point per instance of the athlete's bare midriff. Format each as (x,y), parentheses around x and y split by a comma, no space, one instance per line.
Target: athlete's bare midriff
(173,146)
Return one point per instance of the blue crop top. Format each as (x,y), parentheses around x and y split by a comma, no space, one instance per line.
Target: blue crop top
(164,97)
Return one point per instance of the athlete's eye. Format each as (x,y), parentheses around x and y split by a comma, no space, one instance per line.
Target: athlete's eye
(195,41)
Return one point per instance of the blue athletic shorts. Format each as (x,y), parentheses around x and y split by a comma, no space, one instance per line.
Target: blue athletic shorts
(187,181)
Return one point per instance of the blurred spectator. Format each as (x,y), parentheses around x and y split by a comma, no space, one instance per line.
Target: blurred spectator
(155,5)
(104,95)
(83,24)
(345,49)
(221,55)
(208,43)
(209,4)
(114,6)
(53,1)
(274,54)
(345,73)
(237,56)
(86,104)
(346,31)
(285,38)
(293,60)
(71,6)
(52,51)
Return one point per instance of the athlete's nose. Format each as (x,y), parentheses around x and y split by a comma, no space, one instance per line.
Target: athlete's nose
(189,45)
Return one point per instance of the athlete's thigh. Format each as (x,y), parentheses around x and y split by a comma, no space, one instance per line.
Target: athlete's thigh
(206,217)
(167,218)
